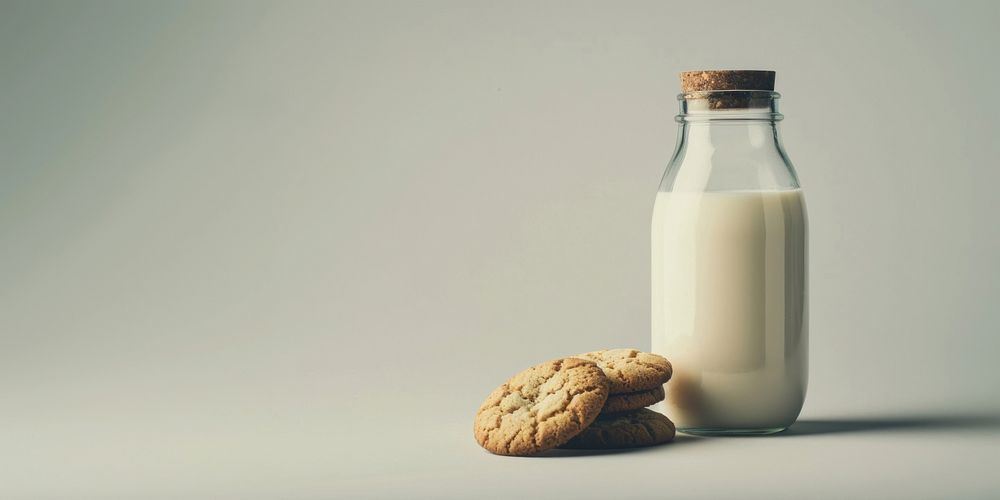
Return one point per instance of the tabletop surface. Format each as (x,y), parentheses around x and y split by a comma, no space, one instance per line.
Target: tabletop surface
(416,452)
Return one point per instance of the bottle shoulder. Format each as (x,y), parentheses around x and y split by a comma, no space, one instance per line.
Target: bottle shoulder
(724,172)
(729,158)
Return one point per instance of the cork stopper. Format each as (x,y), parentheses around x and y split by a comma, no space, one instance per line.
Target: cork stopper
(704,81)
(728,89)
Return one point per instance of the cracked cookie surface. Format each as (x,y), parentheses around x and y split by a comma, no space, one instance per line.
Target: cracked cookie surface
(541,407)
(618,403)
(625,430)
(631,370)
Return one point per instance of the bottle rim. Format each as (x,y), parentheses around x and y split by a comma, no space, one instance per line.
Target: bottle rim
(729,105)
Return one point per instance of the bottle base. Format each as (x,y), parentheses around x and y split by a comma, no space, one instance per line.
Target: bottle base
(708,431)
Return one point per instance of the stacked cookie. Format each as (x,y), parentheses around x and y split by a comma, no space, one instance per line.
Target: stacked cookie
(595,400)
(635,381)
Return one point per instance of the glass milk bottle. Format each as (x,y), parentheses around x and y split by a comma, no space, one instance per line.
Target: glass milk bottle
(729,262)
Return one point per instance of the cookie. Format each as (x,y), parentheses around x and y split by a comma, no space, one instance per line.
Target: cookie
(631,370)
(643,427)
(541,407)
(618,403)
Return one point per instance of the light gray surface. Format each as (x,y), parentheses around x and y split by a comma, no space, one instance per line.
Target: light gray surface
(285,250)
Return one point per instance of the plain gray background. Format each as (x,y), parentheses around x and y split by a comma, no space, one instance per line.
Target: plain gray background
(284,250)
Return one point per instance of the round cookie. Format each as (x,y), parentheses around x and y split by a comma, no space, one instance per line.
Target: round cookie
(618,403)
(643,427)
(631,370)
(541,407)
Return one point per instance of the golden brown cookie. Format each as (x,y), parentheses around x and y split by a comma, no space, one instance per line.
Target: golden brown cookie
(618,403)
(631,370)
(643,427)
(541,407)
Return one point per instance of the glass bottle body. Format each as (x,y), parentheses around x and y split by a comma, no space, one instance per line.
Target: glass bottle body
(729,297)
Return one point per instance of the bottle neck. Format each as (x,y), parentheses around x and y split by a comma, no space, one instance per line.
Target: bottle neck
(744,122)
(728,140)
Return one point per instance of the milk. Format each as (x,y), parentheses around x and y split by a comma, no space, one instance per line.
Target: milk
(729,307)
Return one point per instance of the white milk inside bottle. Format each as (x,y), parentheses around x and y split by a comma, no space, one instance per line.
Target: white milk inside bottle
(728,284)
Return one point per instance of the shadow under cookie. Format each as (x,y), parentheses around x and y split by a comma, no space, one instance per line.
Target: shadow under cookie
(680,440)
